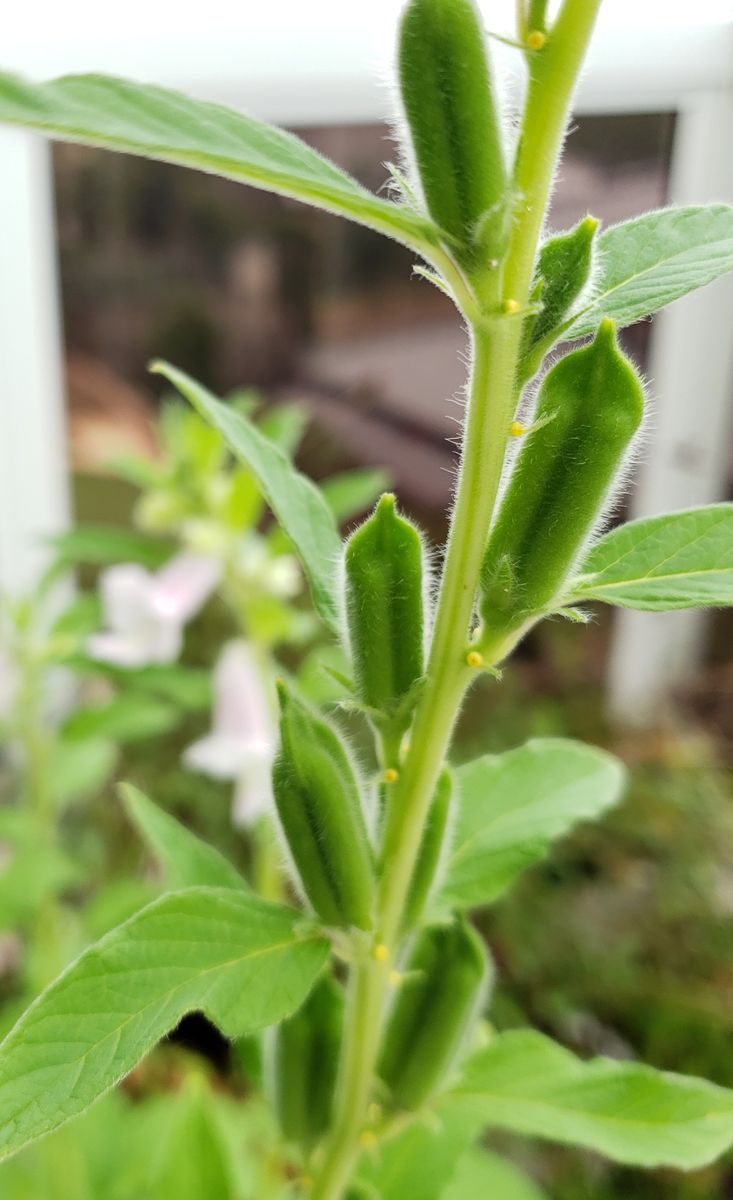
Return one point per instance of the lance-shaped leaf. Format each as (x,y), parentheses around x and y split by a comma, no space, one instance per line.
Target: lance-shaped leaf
(126,718)
(186,860)
(104,545)
(680,560)
(241,961)
(296,502)
(482,1173)
(652,260)
(98,110)
(633,1114)
(512,806)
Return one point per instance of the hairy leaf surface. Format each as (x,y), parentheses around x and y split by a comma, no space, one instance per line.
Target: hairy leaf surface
(631,1113)
(295,500)
(186,859)
(243,962)
(512,806)
(99,110)
(652,260)
(680,560)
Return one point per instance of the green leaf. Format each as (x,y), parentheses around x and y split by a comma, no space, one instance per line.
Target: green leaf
(127,718)
(103,545)
(186,1157)
(99,110)
(33,875)
(115,902)
(680,560)
(79,769)
(241,961)
(187,861)
(353,492)
(481,1173)
(296,502)
(512,806)
(187,687)
(79,619)
(419,1162)
(633,1114)
(652,260)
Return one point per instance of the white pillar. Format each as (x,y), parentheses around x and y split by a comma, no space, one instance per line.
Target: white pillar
(34,493)
(687,461)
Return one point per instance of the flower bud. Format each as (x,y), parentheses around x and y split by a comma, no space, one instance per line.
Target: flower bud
(301,1064)
(591,404)
(384,607)
(564,267)
(452,117)
(435,1012)
(318,802)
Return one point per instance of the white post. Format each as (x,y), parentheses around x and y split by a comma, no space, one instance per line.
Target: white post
(34,496)
(691,389)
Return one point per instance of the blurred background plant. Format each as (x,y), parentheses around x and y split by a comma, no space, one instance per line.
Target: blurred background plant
(88,683)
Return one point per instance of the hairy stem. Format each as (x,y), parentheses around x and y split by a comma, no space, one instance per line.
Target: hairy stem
(493,394)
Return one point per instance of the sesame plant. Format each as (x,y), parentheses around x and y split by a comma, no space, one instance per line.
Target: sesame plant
(373,985)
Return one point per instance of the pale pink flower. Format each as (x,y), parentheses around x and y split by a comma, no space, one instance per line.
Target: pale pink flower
(145,613)
(241,744)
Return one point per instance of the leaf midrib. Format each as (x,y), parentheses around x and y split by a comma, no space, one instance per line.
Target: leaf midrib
(165,996)
(615,1119)
(602,297)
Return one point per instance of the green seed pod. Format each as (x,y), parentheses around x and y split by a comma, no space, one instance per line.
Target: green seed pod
(319,804)
(449,105)
(384,586)
(301,1064)
(431,851)
(593,402)
(435,1012)
(564,268)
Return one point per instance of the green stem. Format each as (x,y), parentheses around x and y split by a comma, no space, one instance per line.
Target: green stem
(495,346)
(47,957)
(554,73)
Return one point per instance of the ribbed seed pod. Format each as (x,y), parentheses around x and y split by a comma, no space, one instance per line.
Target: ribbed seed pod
(435,1011)
(564,267)
(319,804)
(448,101)
(593,402)
(384,581)
(301,1064)
(431,849)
